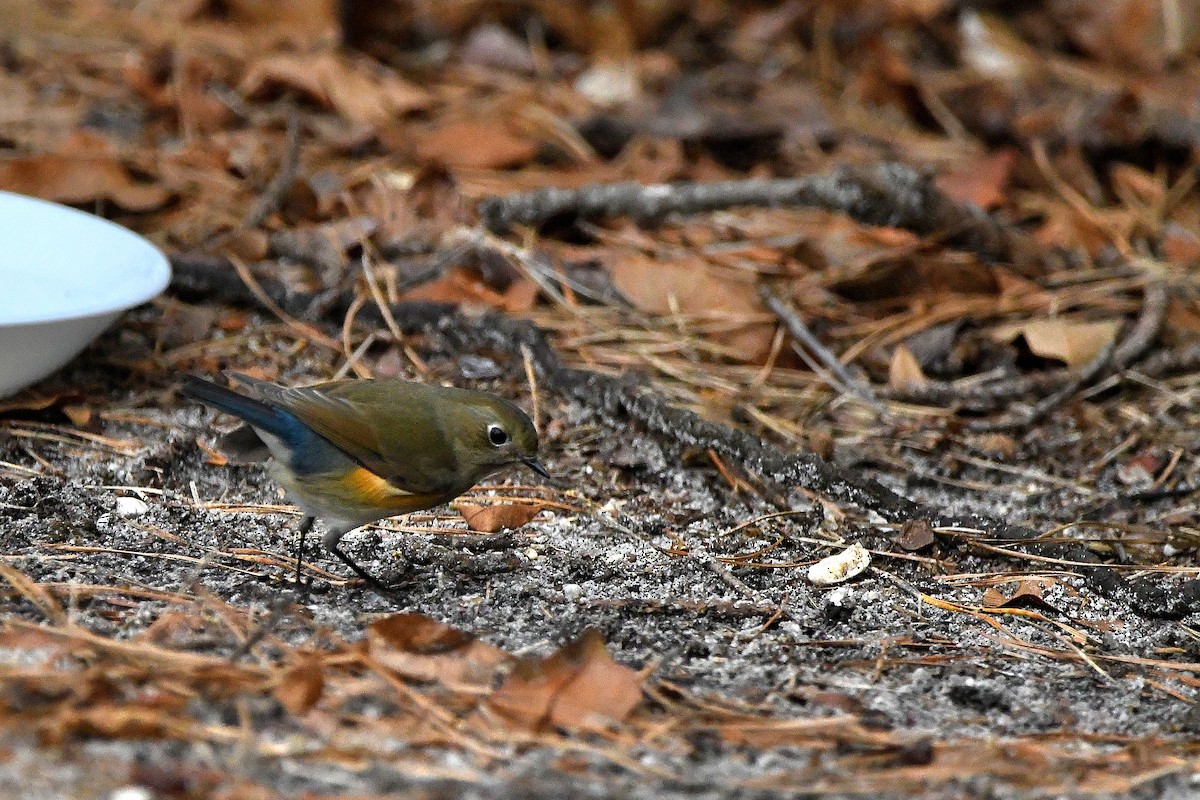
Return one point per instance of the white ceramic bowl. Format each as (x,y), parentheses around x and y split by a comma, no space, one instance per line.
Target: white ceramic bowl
(65,276)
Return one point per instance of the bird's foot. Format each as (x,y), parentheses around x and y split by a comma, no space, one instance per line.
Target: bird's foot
(384,590)
(392,586)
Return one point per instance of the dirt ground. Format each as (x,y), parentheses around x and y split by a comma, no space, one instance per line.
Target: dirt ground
(936,678)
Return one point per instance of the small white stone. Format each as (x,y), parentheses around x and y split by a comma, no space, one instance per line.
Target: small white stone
(572,591)
(131,793)
(1170,550)
(609,83)
(532,554)
(840,596)
(840,566)
(982,49)
(131,506)
(612,507)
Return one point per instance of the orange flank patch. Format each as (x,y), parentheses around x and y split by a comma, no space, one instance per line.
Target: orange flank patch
(366,487)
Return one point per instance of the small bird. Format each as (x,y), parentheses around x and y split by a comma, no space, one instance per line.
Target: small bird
(352,452)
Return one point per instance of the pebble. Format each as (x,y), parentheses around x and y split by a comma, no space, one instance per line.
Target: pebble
(131,507)
(131,792)
(572,591)
(609,84)
(840,566)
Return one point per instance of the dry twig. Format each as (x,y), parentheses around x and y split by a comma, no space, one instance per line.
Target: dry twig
(285,176)
(882,194)
(795,326)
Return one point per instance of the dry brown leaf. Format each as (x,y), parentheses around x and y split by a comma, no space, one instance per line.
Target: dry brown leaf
(1180,245)
(1185,321)
(1073,342)
(692,287)
(916,534)
(602,694)
(980,181)
(497,517)
(303,20)
(359,91)
(1031,593)
(996,445)
(79,414)
(300,686)
(114,721)
(246,244)
(521,296)
(1028,593)
(233,320)
(580,686)
(80,179)
(993,598)
(1131,183)
(423,649)
(1128,33)
(464,285)
(904,372)
(476,144)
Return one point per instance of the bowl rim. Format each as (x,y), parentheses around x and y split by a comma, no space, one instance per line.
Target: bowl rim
(156,263)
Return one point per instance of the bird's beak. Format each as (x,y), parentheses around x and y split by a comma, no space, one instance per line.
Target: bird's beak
(537,467)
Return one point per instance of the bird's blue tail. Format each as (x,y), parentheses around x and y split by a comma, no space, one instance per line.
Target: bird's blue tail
(255,413)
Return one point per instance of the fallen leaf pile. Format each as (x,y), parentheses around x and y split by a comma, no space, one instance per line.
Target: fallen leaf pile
(406,148)
(420,685)
(430,683)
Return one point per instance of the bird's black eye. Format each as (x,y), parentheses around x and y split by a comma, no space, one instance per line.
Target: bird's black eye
(497,436)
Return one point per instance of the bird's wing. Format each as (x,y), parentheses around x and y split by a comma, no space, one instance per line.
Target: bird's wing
(343,424)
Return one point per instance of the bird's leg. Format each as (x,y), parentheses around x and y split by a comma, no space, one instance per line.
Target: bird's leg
(330,540)
(306,525)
